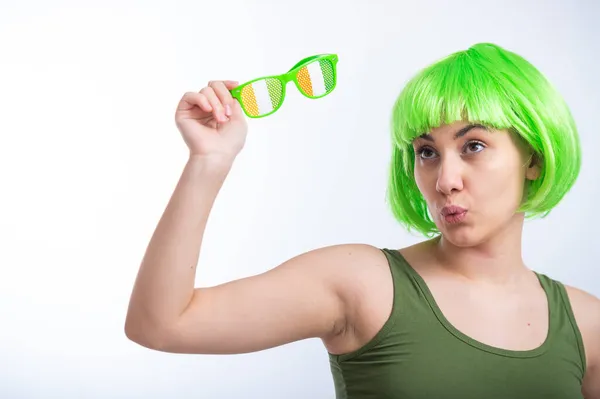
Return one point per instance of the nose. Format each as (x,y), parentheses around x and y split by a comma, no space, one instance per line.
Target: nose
(450,176)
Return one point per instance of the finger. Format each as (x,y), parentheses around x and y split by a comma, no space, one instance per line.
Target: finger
(231,84)
(217,107)
(203,102)
(191,100)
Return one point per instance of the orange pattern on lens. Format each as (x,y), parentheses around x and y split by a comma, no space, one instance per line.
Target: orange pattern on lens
(249,100)
(304,81)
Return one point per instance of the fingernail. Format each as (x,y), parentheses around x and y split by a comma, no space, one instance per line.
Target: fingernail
(228,110)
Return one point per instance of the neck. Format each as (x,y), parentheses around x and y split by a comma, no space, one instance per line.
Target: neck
(497,260)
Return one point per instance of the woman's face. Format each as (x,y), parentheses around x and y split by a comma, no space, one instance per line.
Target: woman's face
(472,179)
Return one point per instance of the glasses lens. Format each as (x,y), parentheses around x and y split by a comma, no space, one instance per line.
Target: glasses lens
(317,78)
(262,96)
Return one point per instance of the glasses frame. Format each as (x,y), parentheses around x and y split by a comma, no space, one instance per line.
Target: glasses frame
(284,79)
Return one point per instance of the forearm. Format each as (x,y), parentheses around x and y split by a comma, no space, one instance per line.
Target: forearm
(165,281)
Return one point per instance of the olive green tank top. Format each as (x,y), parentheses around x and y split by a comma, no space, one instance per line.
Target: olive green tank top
(418,354)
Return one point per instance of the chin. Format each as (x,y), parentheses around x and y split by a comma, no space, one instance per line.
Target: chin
(463,240)
(461,235)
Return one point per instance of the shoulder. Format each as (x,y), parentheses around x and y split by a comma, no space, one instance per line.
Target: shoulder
(337,257)
(586,310)
(352,256)
(349,263)
(346,268)
(586,307)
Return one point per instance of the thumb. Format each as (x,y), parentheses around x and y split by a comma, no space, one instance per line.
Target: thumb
(236,125)
(236,110)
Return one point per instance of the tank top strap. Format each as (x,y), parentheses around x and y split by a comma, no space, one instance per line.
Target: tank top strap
(409,293)
(409,301)
(563,321)
(407,290)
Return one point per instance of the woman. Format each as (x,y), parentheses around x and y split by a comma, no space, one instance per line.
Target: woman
(481,141)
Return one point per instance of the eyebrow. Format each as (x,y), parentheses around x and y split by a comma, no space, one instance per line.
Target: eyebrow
(458,134)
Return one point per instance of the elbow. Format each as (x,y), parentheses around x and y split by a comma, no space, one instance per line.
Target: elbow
(146,335)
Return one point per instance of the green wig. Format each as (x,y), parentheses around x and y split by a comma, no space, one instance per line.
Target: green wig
(489,85)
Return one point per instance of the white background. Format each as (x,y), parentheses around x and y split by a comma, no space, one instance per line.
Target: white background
(90,154)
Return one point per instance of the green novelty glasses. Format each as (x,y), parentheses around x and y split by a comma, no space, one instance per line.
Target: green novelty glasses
(315,77)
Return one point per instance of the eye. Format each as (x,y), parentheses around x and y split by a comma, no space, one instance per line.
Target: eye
(425,152)
(474,146)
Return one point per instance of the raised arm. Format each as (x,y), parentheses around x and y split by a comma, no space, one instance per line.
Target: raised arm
(299,299)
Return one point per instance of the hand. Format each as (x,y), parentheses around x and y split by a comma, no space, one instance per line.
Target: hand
(212,122)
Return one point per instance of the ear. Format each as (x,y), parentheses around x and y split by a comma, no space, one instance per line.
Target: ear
(534,167)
